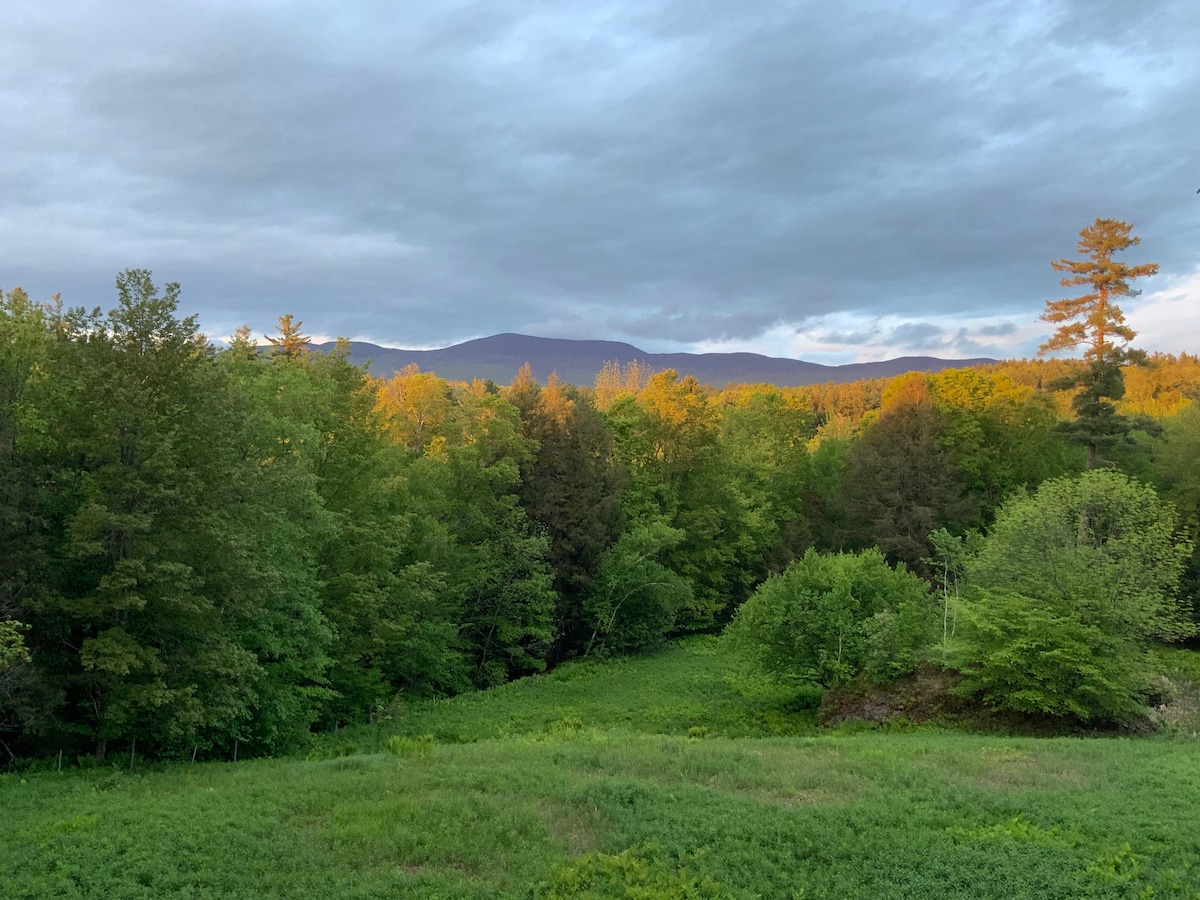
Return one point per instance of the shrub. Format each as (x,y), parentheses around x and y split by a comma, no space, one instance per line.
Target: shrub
(1070,589)
(830,617)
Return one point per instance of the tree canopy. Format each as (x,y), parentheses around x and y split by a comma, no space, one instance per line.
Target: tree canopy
(1071,586)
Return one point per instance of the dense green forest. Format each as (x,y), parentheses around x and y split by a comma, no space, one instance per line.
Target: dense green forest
(208,550)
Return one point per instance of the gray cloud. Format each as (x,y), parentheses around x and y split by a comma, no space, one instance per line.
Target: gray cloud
(851,337)
(668,172)
(917,336)
(1004,329)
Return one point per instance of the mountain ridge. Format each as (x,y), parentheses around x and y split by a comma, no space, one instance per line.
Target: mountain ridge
(499,357)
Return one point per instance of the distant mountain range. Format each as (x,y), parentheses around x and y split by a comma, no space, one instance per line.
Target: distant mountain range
(577,362)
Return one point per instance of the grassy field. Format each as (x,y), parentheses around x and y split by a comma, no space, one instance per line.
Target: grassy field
(640,778)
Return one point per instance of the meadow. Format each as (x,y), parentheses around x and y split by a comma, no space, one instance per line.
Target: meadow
(644,777)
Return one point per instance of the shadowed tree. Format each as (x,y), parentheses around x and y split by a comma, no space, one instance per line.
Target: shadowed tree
(571,485)
(903,481)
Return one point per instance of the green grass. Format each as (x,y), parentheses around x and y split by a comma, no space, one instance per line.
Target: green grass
(684,686)
(585,783)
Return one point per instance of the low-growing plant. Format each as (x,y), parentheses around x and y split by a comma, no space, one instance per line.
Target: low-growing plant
(419,747)
(332,751)
(638,873)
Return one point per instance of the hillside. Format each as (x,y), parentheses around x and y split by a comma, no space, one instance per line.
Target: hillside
(644,777)
(499,357)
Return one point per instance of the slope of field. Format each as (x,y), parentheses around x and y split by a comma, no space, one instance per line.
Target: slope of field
(586,783)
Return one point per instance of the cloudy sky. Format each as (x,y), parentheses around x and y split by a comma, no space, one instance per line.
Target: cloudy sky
(832,181)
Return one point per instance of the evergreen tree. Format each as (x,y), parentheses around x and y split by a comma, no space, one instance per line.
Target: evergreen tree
(290,343)
(128,626)
(1093,320)
(571,485)
(902,479)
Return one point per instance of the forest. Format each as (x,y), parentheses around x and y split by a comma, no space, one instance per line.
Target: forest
(209,550)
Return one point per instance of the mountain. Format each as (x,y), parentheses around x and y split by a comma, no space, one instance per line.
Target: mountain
(577,362)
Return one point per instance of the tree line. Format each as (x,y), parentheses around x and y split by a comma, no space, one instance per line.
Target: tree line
(203,547)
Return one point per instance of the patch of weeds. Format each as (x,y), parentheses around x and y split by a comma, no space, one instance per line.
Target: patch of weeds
(640,872)
(1018,828)
(1121,867)
(1175,708)
(332,751)
(418,748)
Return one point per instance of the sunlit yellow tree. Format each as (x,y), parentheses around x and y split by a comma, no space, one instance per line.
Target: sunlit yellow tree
(1093,320)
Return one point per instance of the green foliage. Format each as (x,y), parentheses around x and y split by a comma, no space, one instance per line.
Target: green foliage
(1039,657)
(682,686)
(638,873)
(617,810)
(134,622)
(686,472)
(635,599)
(1178,477)
(217,552)
(571,486)
(1018,828)
(1070,588)
(12,644)
(948,565)
(1003,435)
(829,617)
(419,747)
(903,481)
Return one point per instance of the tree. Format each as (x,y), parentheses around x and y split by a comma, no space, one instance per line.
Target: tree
(468,524)
(1067,594)
(951,553)
(1179,479)
(828,617)
(131,621)
(1003,434)
(416,405)
(12,644)
(290,343)
(1095,321)
(763,441)
(902,480)
(633,601)
(571,485)
(24,338)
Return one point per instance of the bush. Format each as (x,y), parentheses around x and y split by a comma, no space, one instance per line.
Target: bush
(1070,589)
(830,617)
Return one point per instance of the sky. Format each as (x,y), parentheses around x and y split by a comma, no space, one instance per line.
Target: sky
(836,182)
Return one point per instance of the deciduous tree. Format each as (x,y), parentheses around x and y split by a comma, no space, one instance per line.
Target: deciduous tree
(1071,586)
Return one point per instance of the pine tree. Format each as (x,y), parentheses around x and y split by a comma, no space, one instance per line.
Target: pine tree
(290,343)
(1094,320)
